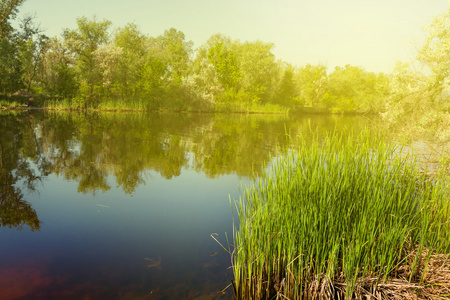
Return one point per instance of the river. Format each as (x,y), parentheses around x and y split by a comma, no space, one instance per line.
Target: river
(123,206)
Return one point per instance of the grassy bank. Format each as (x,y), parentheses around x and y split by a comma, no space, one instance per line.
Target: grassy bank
(10,105)
(343,218)
(142,106)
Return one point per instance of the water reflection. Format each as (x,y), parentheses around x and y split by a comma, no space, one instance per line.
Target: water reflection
(22,167)
(88,148)
(124,204)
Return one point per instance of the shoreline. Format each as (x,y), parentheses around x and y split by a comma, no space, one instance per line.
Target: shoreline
(132,110)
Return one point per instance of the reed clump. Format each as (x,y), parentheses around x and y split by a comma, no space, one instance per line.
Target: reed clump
(343,218)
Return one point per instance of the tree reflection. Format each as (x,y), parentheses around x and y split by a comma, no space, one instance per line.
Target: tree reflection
(122,146)
(14,211)
(93,149)
(19,148)
(99,148)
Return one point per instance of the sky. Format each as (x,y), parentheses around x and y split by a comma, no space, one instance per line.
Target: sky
(372,34)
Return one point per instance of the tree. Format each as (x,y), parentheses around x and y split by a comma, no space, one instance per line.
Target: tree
(352,89)
(58,76)
(8,11)
(151,81)
(259,71)
(312,84)
(32,46)
(224,60)
(202,85)
(420,98)
(10,68)
(134,49)
(175,52)
(435,53)
(107,58)
(83,43)
(287,94)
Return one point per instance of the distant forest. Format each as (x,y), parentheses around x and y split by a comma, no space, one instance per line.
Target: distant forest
(97,66)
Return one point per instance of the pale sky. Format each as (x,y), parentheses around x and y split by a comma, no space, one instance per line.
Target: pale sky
(369,33)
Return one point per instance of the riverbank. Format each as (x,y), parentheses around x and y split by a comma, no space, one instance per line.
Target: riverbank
(19,103)
(231,108)
(7,105)
(342,219)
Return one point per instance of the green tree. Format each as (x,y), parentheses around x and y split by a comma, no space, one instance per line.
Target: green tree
(32,46)
(226,72)
(435,53)
(420,99)
(58,77)
(287,93)
(312,82)
(259,71)
(10,67)
(8,11)
(224,60)
(83,43)
(134,49)
(152,82)
(107,58)
(352,89)
(201,86)
(175,52)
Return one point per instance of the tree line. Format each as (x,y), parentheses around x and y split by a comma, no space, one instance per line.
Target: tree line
(97,66)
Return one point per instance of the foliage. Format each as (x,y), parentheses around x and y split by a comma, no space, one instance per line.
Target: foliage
(10,68)
(419,101)
(312,84)
(32,46)
(353,89)
(225,63)
(133,46)
(8,11)
(175,52)
(83,44)
(151,81)
(287,93)
(93,66)
(237,72)
(259,71)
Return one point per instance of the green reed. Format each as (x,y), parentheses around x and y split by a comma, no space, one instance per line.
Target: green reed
(10,104)
(60,104)
(333,212)
(256,108)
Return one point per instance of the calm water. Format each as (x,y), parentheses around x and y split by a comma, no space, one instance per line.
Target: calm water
(122,206)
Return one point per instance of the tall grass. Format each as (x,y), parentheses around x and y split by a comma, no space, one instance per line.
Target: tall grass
(238,107)
(171,104)
(335,218)
(10,104)
(106,105)
(119,105)
(60,104)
